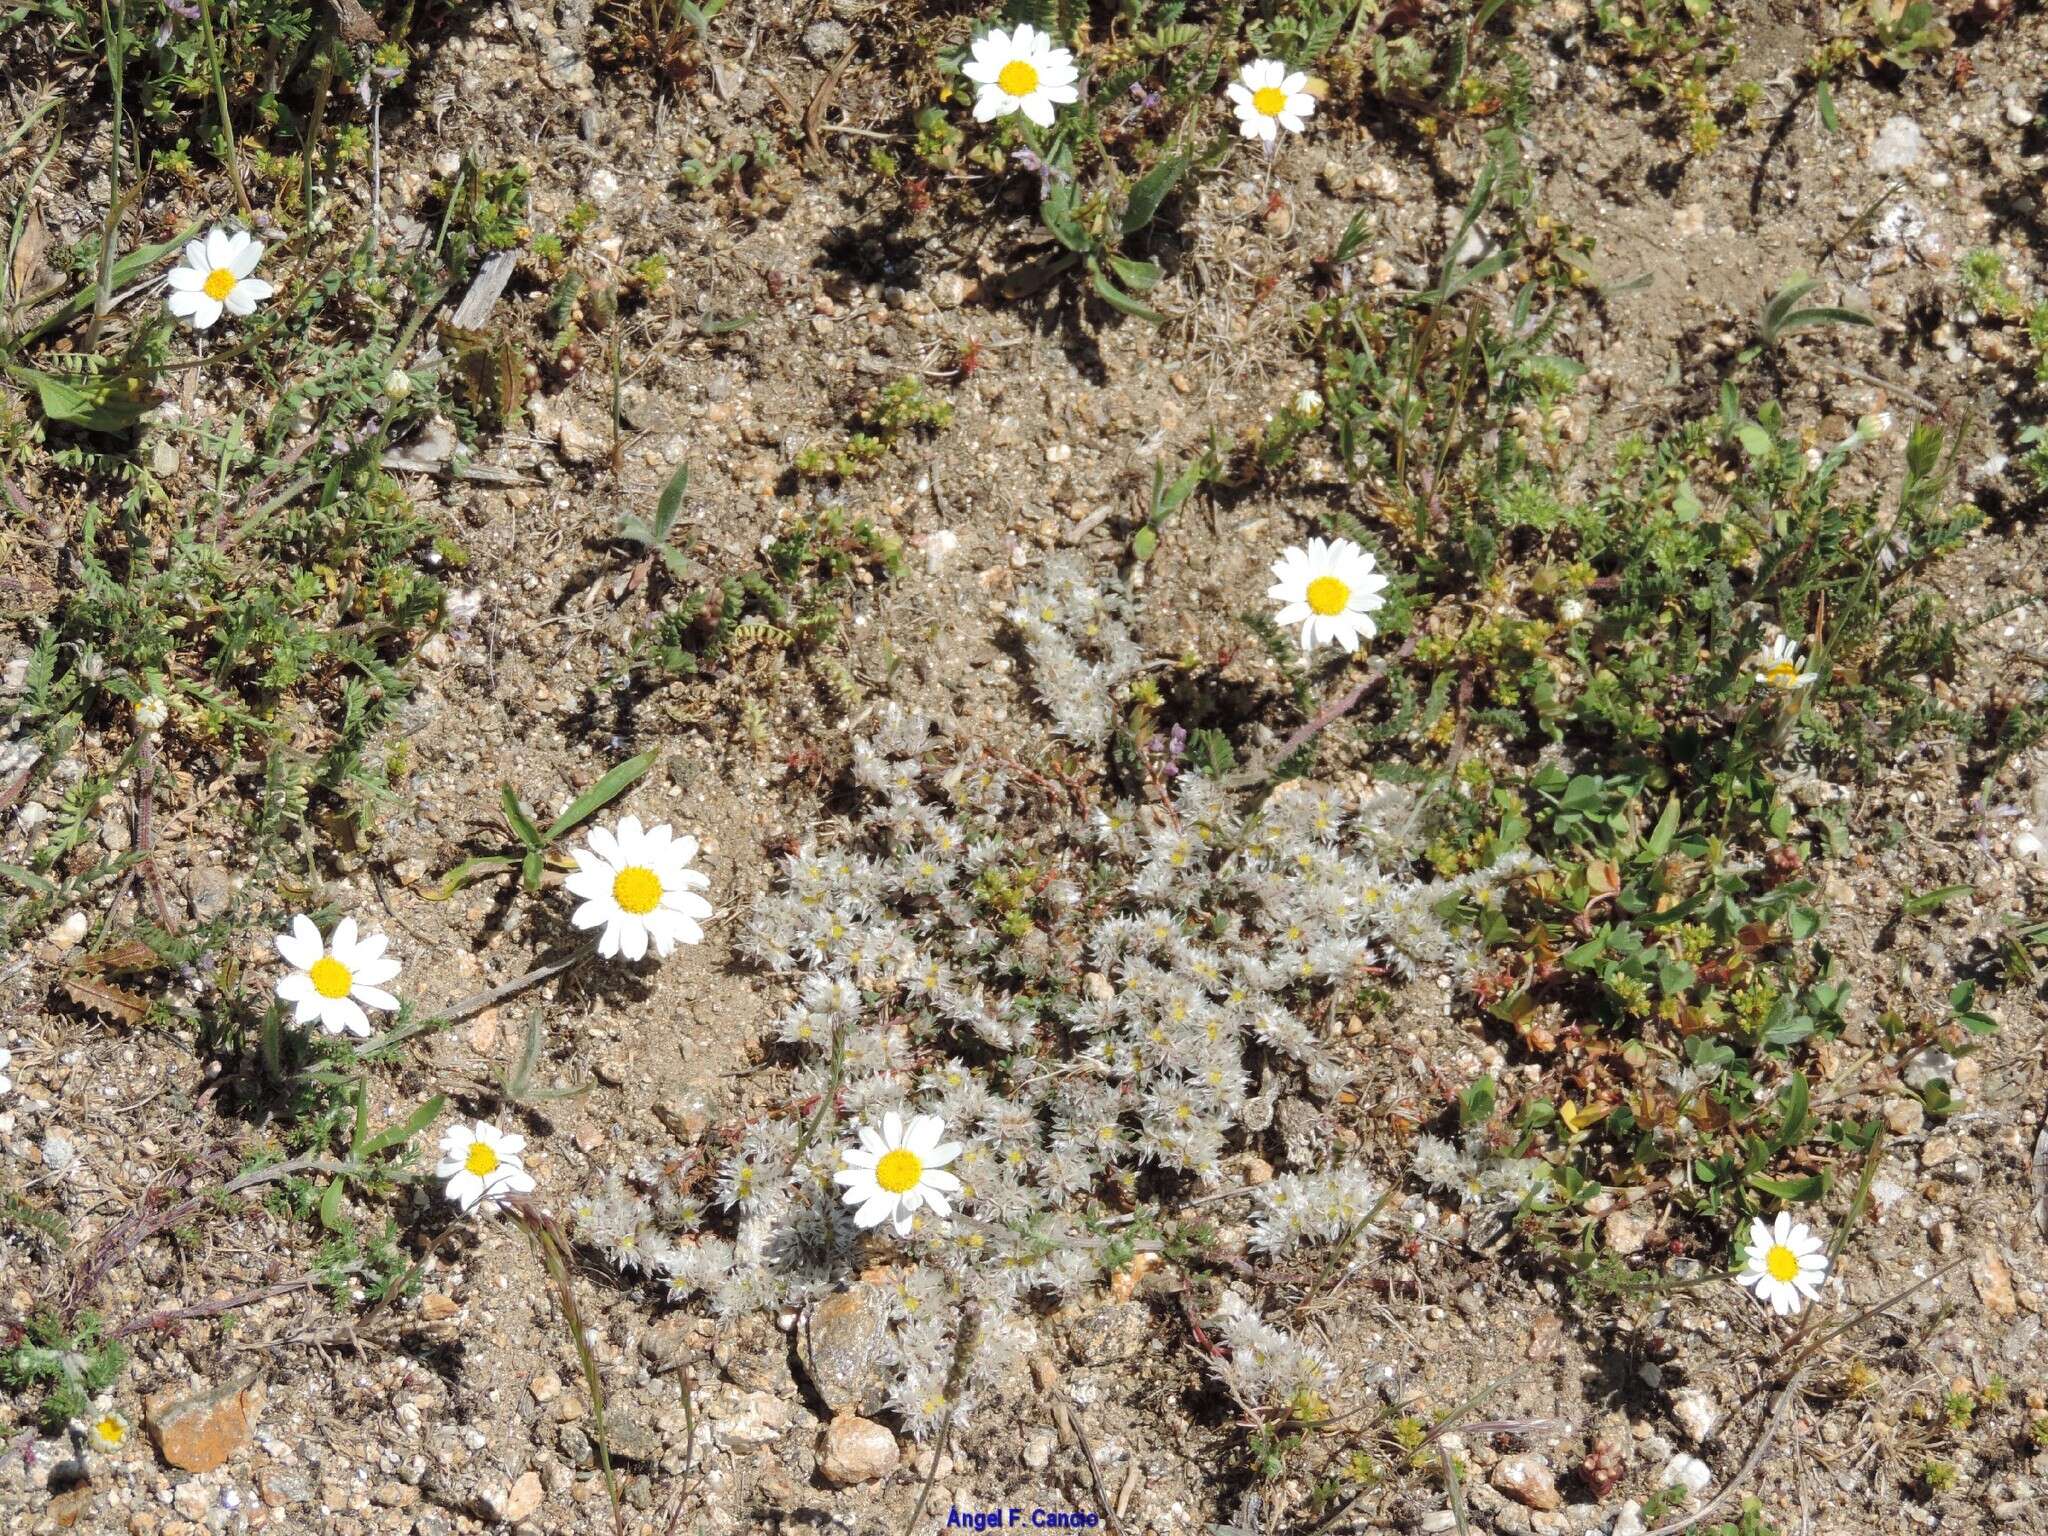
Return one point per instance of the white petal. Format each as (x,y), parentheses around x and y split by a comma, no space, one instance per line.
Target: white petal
(892,1130)
(687,904)
(512,1181)
(220,248)
(605,846)
(875,1211)
(593,913)
(243,298)
(939,1179)
(923,1134)
(661,929)
(301,947)
(1036,108)
(633,940)
(342,1015)
(591,884)
(245,259)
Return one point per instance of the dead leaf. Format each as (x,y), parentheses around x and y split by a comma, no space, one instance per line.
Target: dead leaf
(355,24)
(107,1001)
(28,255)
(130,956)
(1123,1284)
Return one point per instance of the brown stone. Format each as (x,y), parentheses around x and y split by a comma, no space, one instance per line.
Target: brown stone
(1528,1481)
(68,1506)
(524,1498)
(197,1431)
(837,1348)
(856,1451)
(1993,1280)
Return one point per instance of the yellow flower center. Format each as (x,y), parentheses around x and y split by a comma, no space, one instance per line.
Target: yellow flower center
(330,977)
(1018,78)
(1782,1263)
(1270,102)
(482,1160)
(637,889)
(1782,674)
(899,1171)
(111,1431)
(1328,595)
(220,282)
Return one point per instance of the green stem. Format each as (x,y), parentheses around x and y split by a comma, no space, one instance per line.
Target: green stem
(220,96)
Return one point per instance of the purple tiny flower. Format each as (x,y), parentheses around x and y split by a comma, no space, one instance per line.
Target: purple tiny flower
(1169,749)
(1029,160)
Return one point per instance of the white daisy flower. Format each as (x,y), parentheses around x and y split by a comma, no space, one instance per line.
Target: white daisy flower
(108,1430)
(334,984)
(638,886)
(1330,589)
(152,710)
(1783,668)
(6,1061)
(1787,1264)
(1269,98)
(482,1165)
(1020,71)
(891,1175)
(214,278)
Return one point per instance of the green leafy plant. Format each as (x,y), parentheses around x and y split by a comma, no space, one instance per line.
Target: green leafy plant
(71,1364)
(1786,313)
(533,844)
(653,537)
(1666,988)
(1166,500)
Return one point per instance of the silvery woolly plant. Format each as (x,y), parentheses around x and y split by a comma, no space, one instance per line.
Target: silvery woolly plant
(1100,1002)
